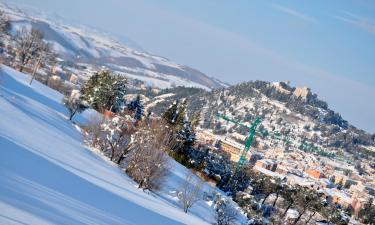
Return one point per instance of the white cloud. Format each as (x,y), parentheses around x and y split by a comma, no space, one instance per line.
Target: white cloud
(364,23)
(294,13)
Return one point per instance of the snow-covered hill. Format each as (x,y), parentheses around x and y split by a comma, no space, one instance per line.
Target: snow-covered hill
(84,45)
(49,177)
(292,112)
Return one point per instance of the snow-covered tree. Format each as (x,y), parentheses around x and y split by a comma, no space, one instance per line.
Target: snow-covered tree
(186,138)
(305,199)
(31,47)
(189,191)
(239,180)
(116,136)
(182,130)
(147,162)
(171,114)
(74,103)
(93,131)
(218,167)
(105,91)
(137,107)
(116,98)
(226,214)
(198,157)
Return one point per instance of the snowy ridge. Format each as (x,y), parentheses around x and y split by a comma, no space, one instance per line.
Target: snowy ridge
(87,46)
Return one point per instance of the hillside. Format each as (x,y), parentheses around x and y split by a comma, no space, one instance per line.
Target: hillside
(93,49)
(48,176)
(294,112)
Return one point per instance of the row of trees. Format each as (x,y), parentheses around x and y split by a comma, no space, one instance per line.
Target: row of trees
(140,146)
(135,145)
(104,91)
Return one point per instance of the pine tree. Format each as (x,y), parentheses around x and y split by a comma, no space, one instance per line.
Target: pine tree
(91,89)
(117,101)
(195,120)
(171,113)
(139,113)
(186,137)
(182,130)
(137,107)
(105,91)
(181,117)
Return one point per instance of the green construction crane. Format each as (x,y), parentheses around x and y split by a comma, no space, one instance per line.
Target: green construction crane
(304,146)
(249,139)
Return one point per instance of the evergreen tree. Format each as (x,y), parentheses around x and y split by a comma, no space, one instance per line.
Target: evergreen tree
(90,90)
(186,137)
(105,91)
(181,115)
(137,107)
(139,113)
(116,99)
(171,113)
(175,114)
(195,120)
(239,181)
(182,130)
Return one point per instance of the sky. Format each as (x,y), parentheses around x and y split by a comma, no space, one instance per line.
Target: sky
(328,46)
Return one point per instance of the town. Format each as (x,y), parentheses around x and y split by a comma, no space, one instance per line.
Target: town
(143,133)
(340,182)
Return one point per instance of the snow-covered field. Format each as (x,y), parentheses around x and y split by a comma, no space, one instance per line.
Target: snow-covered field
(49,177)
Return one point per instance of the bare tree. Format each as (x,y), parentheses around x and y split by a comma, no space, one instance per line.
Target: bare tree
(4,23)
(74,103)
(226,214)
(44,56)
(28,44)
(30,48)
(93,131)
(189,193)
(306,200)
(116,133)
(147,162)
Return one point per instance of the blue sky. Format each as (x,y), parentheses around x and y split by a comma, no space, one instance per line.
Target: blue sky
(326,45)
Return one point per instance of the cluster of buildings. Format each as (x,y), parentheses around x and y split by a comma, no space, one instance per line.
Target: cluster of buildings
(340,182)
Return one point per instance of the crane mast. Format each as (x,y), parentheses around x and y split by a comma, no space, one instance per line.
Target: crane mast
(249,138)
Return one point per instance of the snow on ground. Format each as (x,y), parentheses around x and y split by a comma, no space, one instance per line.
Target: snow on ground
(49,177)
(157,100)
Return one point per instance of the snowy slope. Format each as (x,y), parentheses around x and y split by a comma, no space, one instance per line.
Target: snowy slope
(84,45)
(49,177)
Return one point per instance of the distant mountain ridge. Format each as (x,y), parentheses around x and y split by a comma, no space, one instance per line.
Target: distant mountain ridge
(83,45)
